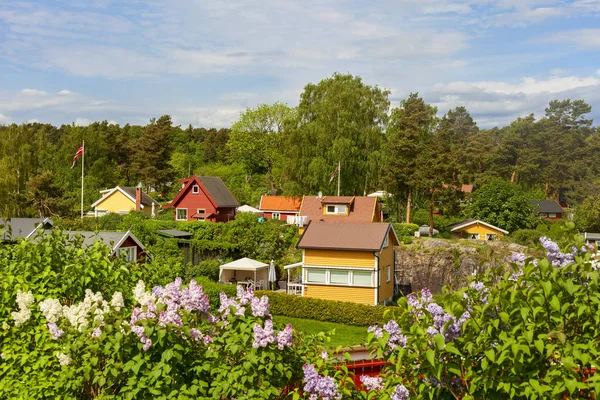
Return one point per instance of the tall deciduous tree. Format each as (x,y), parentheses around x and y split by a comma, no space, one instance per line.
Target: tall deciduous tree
(340,119)
(256,139)
(503,204)
(409,131)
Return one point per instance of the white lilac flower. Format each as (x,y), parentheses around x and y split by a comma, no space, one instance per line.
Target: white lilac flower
(51,309)
(21,316)
(372,382)
(141,296)
(63,359)
(325,355)
(24,300)
(3,356)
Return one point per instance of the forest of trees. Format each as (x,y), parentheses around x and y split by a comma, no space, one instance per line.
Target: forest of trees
(407,149)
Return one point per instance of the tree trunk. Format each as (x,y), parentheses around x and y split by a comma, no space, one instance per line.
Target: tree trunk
(431,203)
(547,189)
(271,182)
(512,177)
(408,203)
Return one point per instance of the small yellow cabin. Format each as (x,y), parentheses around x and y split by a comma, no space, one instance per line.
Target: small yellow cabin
(349,262)
(123,199)
(477,230)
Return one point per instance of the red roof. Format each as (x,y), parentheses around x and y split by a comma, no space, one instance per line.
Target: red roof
(280,203)
(218,193)
(362,209)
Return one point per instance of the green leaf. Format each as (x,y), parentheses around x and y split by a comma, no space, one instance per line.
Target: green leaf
(430,355)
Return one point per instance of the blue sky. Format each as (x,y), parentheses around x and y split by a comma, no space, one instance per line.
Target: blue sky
(203,62)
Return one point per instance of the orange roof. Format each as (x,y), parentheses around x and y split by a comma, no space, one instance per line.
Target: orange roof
(280,203)
(362,209)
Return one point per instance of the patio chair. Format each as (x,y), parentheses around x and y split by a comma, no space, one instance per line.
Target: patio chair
(259,285)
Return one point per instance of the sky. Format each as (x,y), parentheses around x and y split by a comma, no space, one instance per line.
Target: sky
(204,62)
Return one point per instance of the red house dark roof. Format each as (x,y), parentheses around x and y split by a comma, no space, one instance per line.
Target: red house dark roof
(218,193)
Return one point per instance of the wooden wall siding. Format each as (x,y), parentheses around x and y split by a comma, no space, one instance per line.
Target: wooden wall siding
(339,258)
(193,202)
(282,215)
(386,257)
(118,202)
(482,230)
(341,293)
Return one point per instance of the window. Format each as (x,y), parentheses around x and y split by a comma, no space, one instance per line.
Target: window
(201,211)
(491,236)
(335,209)
(100,213)
(543,215)
(552,215)
(362,278)
(275,215)
(181,214)
(127,253)
(388,273)
(474,236)
(338,276)
(195,189)
(314,275)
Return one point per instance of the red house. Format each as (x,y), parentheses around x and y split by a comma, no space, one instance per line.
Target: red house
(548,209)
(280,207)
(204,198)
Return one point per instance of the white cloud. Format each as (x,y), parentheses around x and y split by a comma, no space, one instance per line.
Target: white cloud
(33,92)
(585,39)
(82,121)
(5,119)
(66,92)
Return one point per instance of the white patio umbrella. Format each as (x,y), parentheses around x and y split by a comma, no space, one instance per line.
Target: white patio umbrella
(272,274)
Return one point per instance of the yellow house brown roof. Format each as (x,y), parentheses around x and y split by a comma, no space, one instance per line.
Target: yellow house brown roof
(362,209)
(346,236)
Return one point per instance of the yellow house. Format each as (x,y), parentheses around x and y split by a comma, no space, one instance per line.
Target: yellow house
(477,230)
(123,199)
(348,262)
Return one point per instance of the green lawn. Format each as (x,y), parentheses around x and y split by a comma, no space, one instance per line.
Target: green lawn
(345,335)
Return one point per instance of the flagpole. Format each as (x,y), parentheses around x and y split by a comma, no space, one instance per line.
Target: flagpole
(82,163)
(339,176)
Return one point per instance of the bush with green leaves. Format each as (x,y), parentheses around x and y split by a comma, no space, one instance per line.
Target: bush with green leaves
(341,312)
(529,332)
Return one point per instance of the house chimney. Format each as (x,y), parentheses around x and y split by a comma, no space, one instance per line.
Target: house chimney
(138,198)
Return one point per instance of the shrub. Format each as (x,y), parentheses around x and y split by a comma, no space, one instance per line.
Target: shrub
(404,229)
(325,310)
(525,237)
(207,268)
(214,289)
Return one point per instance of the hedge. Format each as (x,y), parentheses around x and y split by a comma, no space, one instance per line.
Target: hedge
(329,311)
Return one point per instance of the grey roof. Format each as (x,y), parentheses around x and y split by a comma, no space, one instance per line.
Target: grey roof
(21,227)
(218,191)
(548,206)
(175,233)
(146,199)
(111,239)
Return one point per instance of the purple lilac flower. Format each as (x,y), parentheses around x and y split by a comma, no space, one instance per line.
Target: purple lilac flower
(518,258)
(193,298)
(372,382)
(260,307)
(245,295)
(400,393)
(396,337)
(96,332)
(317,385)
(484,292)
(138,315)
(325,355)
(515,276)
(554,255)
(169,317)
(426,296)
(55,331)
(376,330)
(284,337)
(158,291)
(263,336)
(413,301)
(227,303)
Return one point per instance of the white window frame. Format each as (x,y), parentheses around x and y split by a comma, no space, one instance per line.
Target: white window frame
(275,215)
(488,235)
(177,214)
(338,209)
(195,189)
(543,215)
(101,213)
(388,273)
(201,210)
(129,253)
(551,215)
(349,271)
(476,236)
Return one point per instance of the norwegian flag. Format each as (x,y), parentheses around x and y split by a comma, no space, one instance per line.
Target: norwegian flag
(337,170)
(77,155)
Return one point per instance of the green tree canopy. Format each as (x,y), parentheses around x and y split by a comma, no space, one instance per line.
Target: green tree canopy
(504,205)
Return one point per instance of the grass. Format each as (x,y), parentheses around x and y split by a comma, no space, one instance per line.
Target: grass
(345,335)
